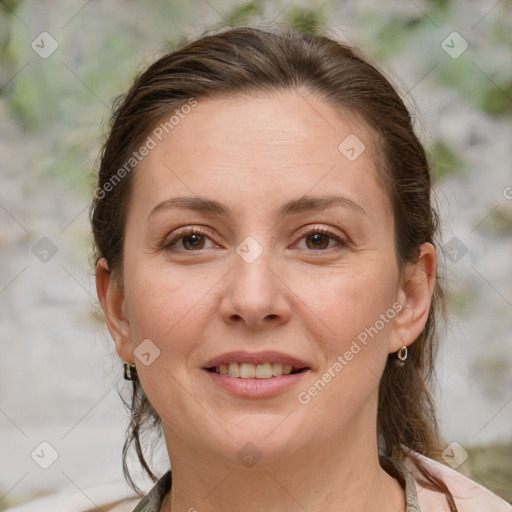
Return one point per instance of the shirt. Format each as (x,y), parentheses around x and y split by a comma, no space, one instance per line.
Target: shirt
(468,495)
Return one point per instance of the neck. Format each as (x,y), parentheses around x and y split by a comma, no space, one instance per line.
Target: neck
(334,475)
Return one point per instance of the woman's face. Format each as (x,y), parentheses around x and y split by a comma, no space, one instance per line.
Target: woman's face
(294,257)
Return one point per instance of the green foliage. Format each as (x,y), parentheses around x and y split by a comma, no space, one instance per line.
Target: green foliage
(439,6)
(461,300)
(307,21)
(492,466)
(445,160)
(243,14)
(73,168)
(497,100)
(388,34)
(7,15)
(499,31)
(499,222)
(482,87)
(10,6)
(25,100)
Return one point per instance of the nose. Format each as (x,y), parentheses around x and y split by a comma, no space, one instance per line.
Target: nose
(255,294)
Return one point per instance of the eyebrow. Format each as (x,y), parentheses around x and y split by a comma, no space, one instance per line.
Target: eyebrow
(294,206)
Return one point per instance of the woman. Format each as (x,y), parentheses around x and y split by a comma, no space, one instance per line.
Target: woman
(266,262)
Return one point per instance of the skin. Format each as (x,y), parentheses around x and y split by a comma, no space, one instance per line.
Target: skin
(253,154)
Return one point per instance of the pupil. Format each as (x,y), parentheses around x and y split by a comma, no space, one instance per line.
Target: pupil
(193,240)
(317,239)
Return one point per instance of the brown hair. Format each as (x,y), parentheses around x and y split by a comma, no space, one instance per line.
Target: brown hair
(250,60)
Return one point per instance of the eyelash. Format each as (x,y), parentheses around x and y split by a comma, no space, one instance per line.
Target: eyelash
(170,245)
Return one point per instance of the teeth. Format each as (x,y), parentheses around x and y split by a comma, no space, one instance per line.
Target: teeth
(277,369)
(233,370)
(247,371)
(264,371)
(251,371)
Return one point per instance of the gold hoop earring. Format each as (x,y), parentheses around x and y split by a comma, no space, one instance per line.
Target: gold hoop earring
(402,355)
(130,371)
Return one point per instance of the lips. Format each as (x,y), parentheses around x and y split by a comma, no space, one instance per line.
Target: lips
(256,375)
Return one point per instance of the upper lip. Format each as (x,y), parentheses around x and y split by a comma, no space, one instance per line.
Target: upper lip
(267,356)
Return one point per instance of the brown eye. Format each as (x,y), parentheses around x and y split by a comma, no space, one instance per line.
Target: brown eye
(192,240)
(319,239)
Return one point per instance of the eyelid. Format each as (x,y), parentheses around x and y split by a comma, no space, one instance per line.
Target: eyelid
(185,231)
(331,233)
(188,230)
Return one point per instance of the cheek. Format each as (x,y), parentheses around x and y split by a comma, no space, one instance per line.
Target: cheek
(347,301)
(162,299)
(350,324)
(168,308)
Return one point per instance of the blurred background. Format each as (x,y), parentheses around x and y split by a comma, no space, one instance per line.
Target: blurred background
(61,65)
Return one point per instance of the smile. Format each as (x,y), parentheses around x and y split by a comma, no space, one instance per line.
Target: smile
(255,371)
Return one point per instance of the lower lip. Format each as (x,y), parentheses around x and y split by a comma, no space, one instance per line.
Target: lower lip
(256,388)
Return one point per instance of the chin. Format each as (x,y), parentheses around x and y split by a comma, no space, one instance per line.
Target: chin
(259,440)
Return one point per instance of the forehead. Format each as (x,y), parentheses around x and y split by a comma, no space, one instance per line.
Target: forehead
(260,145)
(286,117)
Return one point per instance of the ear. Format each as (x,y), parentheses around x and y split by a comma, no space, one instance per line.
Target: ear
(113,305)
(415,295)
